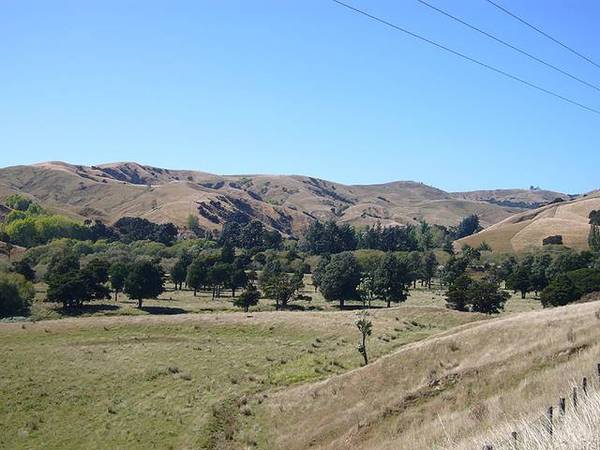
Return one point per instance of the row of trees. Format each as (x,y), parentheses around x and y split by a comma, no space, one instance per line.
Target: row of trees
(72,285)
(324,238)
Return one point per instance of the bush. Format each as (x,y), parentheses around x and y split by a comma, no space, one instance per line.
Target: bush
(553,240)
(561,291)
(585,280)
(16,295)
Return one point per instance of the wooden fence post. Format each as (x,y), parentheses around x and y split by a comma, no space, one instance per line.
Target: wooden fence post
(574,397)
(584,385)
(550,414)
(562,406)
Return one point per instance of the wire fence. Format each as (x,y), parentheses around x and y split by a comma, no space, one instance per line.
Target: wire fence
(553,416)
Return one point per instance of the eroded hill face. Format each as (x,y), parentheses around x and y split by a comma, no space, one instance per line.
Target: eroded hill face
(282,202)
(528,229)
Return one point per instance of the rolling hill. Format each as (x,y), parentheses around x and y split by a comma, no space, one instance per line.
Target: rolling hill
(283,202)
(445,391)
(527,230)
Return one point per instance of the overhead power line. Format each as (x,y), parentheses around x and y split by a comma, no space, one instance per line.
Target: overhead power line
(543,33)
(507,44)
(468,58)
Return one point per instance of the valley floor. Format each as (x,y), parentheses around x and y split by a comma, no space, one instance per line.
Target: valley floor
(168,377)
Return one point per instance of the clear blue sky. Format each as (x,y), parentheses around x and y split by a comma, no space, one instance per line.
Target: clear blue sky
(304,87)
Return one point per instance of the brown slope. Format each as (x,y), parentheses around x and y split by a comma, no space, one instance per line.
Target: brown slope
(286,203)
(527,230)
(442,390)
(517,198)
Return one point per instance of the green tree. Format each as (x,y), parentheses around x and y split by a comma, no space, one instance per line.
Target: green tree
(249,297)
(145,280)
(430,265)
(16,295)
(468,226)
(561,291)
(197,275)
(486,297)
(365,327)
(227,253)
(18,202)
(281,288)
(24,268)
(458,292)
(340,278)
(594,238)
(218,276)
(180,270)
(319,271)
(237,279)
(520,280)
(117,273)
(392,278)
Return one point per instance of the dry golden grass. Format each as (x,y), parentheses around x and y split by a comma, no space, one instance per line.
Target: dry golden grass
(111,191)
(527,230)
(447,388)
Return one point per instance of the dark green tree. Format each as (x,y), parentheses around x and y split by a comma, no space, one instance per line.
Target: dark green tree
(561,291)
(430,265)
(24,268)
(340,278)
(468,226)
(179,271)
(218,276)
(249,297)
(486,297)
(392,279)
(237,279)
(145,280)
(457,296)
(117,273)
(197,275)
(520,280)
(16,295)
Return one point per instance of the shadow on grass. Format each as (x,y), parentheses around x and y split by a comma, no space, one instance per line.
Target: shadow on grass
(93,308)
(166,310)
(360,307)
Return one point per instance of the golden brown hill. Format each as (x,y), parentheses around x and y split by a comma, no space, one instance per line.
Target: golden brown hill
(528,229)
(283,202)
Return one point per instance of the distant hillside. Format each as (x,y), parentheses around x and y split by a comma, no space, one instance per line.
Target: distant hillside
(283,202)
(514,198)
(528,229)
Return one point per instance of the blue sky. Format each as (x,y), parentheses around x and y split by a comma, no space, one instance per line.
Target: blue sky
(303,87)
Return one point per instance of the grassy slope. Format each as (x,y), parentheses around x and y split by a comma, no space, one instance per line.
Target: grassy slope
(177,381)
(434,393)
(526,230)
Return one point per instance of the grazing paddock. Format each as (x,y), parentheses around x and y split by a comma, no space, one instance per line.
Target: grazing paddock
(182,380)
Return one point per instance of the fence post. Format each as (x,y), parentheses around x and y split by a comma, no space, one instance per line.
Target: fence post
(515,437)
(562,406)
(550,413)
(574,397)
(584,385)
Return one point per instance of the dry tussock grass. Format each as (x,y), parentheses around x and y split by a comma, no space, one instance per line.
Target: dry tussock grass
(454,385)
